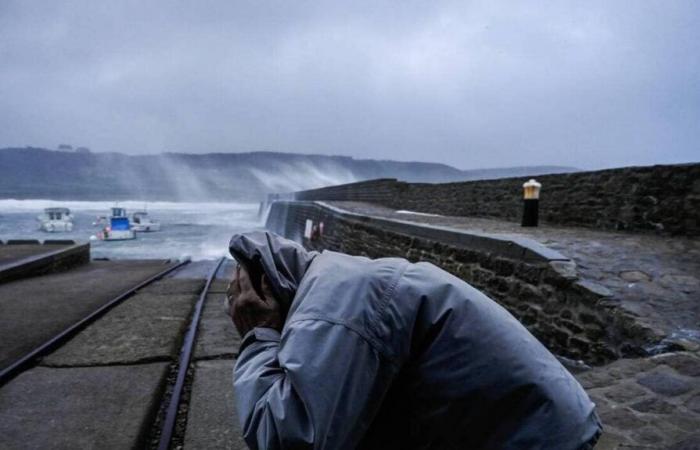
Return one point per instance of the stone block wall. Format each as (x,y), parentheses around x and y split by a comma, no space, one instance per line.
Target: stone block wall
(572,319)
(654,198)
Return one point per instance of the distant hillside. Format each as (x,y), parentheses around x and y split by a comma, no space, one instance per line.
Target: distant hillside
(40,173)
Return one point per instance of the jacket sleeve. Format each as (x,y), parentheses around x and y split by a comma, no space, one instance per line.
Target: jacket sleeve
(320,387)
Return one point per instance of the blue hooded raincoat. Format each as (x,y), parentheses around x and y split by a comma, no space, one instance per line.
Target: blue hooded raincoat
(387,354)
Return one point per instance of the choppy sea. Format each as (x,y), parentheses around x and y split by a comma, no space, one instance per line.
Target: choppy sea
(198,230)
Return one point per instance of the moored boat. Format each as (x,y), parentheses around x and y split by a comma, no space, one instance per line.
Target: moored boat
(119,228)
(140,221)
(56,220)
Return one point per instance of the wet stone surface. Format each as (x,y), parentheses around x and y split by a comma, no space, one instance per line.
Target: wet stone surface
(147,327)
(79,408)
(212,421)
(648,402)
(180,286)
(664,383)
(216,336)
(33,310)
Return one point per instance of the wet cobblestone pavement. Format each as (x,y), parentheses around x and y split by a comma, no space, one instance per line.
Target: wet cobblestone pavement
(648,402)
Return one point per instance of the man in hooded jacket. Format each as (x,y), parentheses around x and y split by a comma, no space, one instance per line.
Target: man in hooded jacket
(344,352)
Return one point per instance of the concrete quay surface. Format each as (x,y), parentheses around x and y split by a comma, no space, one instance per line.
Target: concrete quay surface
(107,407)
(212,421)
(32,310)
(145,328)
(656,278)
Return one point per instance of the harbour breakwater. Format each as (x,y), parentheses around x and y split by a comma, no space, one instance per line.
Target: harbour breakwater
(663,198)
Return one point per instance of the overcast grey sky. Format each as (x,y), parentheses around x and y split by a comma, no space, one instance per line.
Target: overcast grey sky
(472,84)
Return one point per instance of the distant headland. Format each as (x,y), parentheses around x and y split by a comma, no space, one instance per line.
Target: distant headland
(79,174)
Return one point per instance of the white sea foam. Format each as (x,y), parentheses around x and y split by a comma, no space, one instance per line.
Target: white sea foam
(201,230)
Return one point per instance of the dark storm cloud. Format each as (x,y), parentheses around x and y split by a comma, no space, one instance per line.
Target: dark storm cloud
(472,84)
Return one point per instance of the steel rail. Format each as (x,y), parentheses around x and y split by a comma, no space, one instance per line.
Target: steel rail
(168,427)
(29,359)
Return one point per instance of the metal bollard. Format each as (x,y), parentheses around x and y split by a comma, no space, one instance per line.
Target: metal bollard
(531,196)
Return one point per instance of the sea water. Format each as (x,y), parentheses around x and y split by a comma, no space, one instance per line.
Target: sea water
(198,230)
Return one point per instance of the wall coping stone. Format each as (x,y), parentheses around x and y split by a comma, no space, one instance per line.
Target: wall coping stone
(514,247)
(30,265)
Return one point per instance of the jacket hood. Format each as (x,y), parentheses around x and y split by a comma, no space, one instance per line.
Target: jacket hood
(284,262)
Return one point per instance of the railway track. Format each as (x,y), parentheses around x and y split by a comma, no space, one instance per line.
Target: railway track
(183,365)
(163,380)
(29,359)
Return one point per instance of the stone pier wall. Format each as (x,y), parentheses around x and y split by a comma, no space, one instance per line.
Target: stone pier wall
(573,319)
(41,259)
(654,198)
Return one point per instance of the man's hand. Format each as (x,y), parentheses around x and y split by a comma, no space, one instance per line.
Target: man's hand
(247,309)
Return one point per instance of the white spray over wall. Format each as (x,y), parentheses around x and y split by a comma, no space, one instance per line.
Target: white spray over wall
(301,176)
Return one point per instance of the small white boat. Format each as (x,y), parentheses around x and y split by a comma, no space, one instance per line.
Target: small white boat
(100,221)
(140,221)
(56,220)
(119,228)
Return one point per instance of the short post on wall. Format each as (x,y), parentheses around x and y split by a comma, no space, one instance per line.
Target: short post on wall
(531,206)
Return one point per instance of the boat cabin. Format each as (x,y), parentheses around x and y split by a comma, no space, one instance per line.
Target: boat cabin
(140,216)
(118,212)
(57,213)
